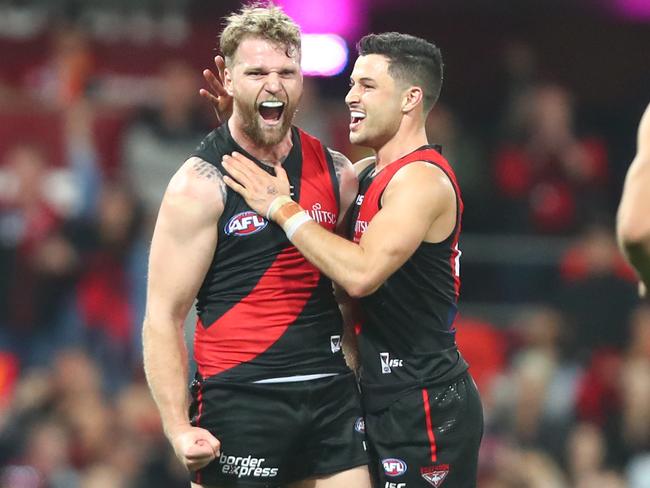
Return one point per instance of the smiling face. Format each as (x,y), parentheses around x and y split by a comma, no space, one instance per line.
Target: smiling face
(375,101)
(265,81)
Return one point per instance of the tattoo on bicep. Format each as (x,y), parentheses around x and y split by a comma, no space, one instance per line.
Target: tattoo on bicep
(340,162)
(211,172)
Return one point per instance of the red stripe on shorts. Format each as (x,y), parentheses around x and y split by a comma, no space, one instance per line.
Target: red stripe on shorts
(427,417)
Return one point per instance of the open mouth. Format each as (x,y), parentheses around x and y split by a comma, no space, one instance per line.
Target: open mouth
(356,117)
(271,111)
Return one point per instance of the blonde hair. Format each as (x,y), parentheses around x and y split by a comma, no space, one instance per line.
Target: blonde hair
(262,21)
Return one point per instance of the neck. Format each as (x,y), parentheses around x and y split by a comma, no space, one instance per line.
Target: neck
(407,139)
(270,155)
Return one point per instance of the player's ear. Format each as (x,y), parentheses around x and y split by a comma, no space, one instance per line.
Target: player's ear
(227,81)
(412,97)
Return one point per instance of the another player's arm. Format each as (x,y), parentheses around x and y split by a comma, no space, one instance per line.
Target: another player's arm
(362,164)
(348,190)
(348,307)
(416,197)
(412,201)
(182,249)
(633,220)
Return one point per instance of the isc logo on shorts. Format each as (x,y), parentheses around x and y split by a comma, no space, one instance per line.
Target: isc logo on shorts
(388,363)
(394,467)
(245,224)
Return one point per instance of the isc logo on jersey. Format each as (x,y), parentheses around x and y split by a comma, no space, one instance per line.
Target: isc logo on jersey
(388,363)
(394,467)
(245,224)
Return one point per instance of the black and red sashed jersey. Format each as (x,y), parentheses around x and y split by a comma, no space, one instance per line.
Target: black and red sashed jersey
(407,337)
(263,310)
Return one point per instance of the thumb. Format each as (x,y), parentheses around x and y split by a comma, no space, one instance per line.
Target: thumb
(280,173)
(199,450)
(213,442)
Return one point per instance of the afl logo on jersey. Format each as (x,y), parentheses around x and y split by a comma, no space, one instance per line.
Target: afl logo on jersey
(245,224)
(394,467)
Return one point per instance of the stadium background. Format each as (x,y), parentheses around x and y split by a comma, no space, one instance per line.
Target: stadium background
(99,103)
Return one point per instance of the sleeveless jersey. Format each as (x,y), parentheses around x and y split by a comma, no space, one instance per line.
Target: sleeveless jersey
(407,336)
(264,312)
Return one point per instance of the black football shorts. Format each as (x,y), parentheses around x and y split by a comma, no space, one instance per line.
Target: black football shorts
(272,434)
(428,438)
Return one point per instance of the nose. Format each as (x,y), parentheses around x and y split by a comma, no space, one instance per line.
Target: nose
(352,96)
(273,84)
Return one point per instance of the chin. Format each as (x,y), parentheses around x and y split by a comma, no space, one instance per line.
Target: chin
(355,138)
(273,135)
(359,139)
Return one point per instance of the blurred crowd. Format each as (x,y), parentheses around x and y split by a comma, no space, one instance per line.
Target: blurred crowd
(565,380)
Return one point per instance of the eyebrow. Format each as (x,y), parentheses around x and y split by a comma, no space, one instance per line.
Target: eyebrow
(268,68)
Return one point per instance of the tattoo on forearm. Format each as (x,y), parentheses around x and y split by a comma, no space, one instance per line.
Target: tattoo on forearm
(211,172)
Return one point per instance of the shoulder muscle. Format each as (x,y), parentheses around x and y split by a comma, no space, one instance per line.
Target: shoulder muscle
(426,187)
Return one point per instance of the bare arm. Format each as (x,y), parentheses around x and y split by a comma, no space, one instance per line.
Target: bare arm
(418,203)
(348,187)
(362,164)
(412,202)
(633,220)
(182,248)
(349,312)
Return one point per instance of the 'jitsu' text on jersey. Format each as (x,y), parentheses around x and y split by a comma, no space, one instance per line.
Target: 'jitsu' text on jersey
(321,216)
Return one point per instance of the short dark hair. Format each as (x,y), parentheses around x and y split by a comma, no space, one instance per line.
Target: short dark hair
(411,59)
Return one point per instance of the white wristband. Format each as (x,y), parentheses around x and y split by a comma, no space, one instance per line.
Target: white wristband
(276,204)
(295,222)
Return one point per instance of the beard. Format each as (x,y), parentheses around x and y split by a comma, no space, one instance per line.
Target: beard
(261,134)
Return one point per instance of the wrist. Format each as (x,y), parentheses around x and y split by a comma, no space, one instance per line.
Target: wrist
(285,212)
(277,203)
(293,223)
(173,429)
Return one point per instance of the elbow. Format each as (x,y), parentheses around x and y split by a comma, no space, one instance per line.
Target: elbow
(362,286)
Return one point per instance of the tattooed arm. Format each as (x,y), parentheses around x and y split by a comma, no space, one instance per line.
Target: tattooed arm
(209,172)
(348,187)
(182,249)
